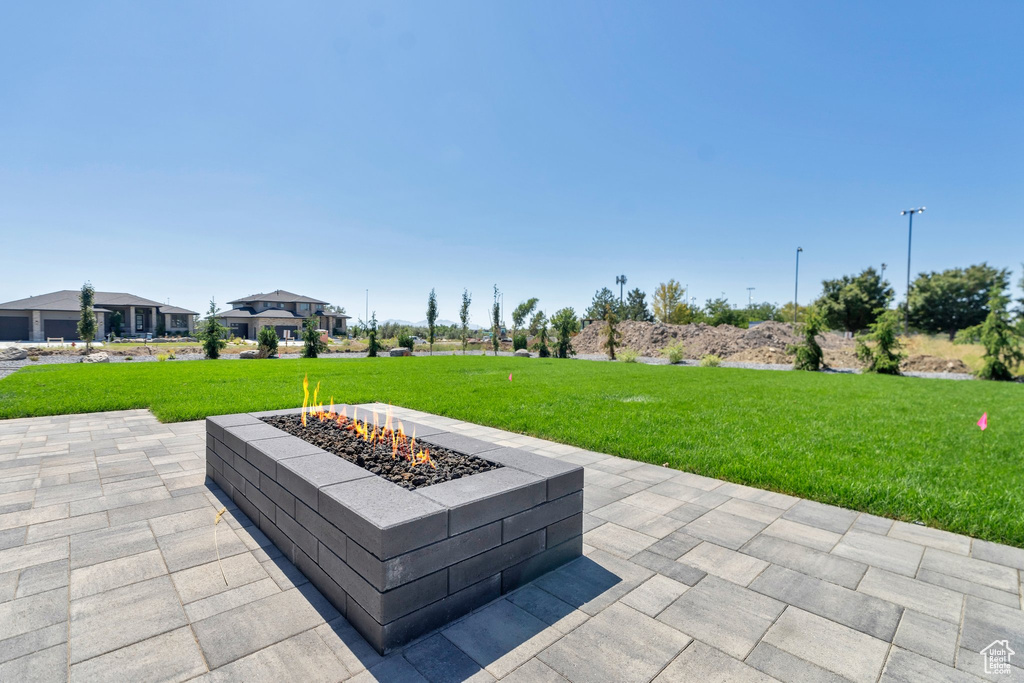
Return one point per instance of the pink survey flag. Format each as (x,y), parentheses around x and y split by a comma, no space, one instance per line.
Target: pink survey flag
(983,422)
(510,377)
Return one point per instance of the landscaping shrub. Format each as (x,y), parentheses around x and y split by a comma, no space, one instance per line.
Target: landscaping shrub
(809,355)
(161,357)
(612,338)
(1003,352)
(710,361)
(33,358)
(519,341)
(127,357)
(884,356)
(405,339)
(170,355)
(211,333)
(312,344)
(675,353)
(267,340)
(628,355)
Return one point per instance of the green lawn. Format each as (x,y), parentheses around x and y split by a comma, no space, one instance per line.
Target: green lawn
(899,447)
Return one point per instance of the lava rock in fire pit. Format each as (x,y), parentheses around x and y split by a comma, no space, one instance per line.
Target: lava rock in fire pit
(379,457)
(400,351)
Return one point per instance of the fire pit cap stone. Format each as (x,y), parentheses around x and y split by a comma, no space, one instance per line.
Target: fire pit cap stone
(304,476)
(266,453)
(486,497)
(216,424)
(385,519)
(420,430)
(236,437)
(563,477)
(459,442)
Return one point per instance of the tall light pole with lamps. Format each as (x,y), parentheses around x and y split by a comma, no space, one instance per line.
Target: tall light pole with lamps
(910,237)
(796,286)
(620,280)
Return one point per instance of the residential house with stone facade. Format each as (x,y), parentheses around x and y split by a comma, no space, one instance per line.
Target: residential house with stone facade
(284,311)
(56,315)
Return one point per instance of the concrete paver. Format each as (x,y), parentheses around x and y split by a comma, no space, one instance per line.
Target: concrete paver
(109,571)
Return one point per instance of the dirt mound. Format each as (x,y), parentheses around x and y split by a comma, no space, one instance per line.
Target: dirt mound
(922,363)
(767,340)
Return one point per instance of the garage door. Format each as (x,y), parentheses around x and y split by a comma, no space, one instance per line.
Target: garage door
(240,330)
(61,328)
(280,329)
(13,329)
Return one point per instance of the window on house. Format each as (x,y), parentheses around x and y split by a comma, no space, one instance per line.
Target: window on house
(280,304)
(303,307)
(179,322)
(138,322)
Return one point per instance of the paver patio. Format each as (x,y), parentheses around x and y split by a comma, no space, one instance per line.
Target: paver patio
(109,571)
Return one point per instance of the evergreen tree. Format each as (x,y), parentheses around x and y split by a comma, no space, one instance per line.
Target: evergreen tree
(496,322)
(636,308)
(809,355)
(87,316)
(431,319)
(885,356)
(565,324)
(372,345)
(467,299)
(1002,341)
(211,333)
(612,338)
(603,299)
(312,344)
(267,340)
(719,312)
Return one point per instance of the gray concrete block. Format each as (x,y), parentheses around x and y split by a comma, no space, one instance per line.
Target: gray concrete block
(541,516)
(837,570)
(485,497)
(266,453)
(384,518)
(400,631)
(458,442)
(215,425)
(325,532)
(236,437)
(298,534)
(782,666)
(225,453)
(534,567)
(563,530)
(236,480)
(243,503)
(387,574)
(384,607)
(494,561)
(563,477)
(927,636)
(675,545)
(304,476)
(260,500)
(683,573)
(829,517)
(278,494)
(324,583)
(283,543)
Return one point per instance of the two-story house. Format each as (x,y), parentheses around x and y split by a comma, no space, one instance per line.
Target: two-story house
(284,311)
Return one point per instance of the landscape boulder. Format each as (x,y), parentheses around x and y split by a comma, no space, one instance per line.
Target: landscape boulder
(99,357)
(13,354)
(400,351)
(249,353)
(522,353)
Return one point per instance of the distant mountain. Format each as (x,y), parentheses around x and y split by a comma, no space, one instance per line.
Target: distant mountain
(423,323)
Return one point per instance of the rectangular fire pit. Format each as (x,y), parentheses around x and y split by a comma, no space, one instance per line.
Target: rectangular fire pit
(398,562)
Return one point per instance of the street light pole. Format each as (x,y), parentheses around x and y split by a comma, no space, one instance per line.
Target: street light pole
(910,237)
(620,280)
(796,286)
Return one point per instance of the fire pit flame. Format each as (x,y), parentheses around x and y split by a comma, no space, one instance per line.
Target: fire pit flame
(371,433)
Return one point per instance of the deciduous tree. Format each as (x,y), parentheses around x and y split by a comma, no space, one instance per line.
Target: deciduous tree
(431,319)
(467,299)
(496,322)
(956,298)
(853,302)
(521,312)
(667,300)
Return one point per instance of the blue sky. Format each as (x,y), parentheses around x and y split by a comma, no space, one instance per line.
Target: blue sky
(183,150)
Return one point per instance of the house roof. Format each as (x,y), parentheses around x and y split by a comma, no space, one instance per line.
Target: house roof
(278,295)
(67,300)
(247,312)
(177,311)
